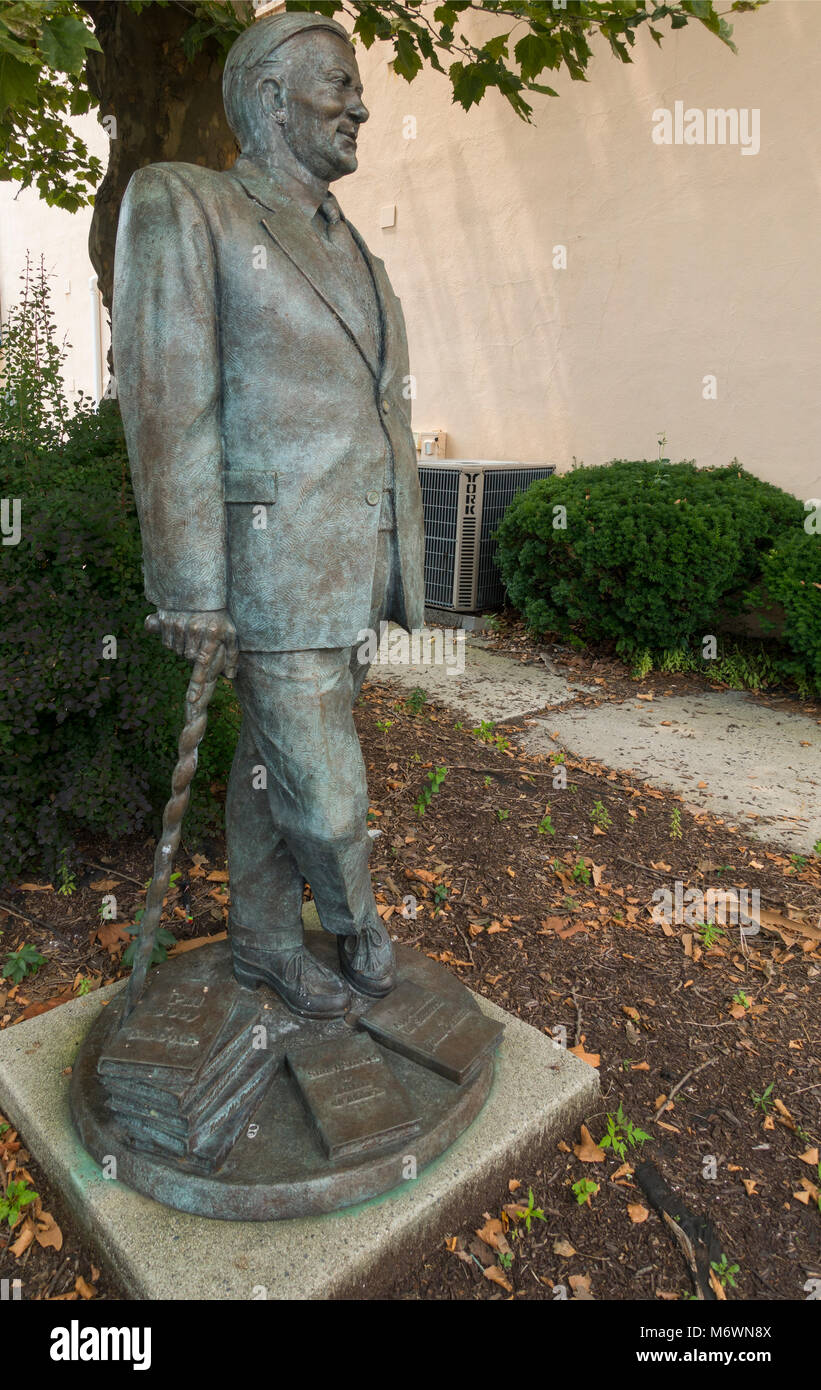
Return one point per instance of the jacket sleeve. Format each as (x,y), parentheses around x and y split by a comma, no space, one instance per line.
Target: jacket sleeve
(166,363)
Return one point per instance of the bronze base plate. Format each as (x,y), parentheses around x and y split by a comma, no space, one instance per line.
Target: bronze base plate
(277,1168)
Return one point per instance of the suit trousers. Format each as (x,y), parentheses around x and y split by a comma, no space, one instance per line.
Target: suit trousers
(297,799)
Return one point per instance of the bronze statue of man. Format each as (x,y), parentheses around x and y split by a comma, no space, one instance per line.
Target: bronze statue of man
(261,364)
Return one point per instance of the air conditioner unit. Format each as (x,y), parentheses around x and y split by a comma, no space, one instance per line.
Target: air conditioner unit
(464,501)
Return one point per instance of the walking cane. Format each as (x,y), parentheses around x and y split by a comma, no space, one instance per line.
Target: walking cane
(206,672)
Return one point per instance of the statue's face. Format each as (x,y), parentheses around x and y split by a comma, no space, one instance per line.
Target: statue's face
(322,97)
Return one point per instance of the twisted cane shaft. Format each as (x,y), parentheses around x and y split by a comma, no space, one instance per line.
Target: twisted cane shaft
(204,677)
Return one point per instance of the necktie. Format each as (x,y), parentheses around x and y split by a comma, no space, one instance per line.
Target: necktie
(351,268)
(330,210)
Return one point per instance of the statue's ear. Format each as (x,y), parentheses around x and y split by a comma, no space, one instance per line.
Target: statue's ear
(270,93)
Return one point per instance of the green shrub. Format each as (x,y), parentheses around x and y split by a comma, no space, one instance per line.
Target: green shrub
(652,554)
(791,577)
(87,743)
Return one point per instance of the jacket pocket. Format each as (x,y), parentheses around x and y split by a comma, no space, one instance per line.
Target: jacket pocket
(255,486)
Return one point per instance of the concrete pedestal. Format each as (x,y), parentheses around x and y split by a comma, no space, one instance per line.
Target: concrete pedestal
(539,1094)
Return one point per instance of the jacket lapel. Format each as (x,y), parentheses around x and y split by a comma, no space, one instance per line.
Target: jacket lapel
(291,231)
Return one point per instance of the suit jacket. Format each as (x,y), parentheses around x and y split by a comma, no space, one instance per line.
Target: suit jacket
(246,382)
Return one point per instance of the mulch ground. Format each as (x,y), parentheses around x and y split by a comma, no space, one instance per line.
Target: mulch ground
(598,664)
(539,897)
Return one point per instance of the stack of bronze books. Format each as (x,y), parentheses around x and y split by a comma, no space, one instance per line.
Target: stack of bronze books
(186,1073)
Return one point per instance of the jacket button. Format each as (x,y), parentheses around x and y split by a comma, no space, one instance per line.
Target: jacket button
(372,499)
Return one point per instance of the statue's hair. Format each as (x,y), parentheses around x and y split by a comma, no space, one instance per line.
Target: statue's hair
(257,47)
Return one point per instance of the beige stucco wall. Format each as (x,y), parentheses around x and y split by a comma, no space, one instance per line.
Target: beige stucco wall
(28,224)
(682,260)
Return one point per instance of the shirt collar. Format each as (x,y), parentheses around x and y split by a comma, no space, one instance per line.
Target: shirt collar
(263,182)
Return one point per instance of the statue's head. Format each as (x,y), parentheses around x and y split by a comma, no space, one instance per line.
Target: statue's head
(292,91)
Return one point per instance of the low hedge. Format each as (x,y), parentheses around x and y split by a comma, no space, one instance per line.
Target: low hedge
(88,744)
(650,556)
(791,577)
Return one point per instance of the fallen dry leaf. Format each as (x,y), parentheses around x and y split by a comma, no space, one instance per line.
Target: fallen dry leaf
(811,1157)
(563,1248)
(580,1284)
(24,1239)
(788,928)
(48,1233)
(195,943)
(492,1233)
(750,1185)
(494,1273)
(112,934)
(784,1116)
(588,1151)
(34,1010)
(556,924)
(637,1212)
(84,1289)
(593,1059)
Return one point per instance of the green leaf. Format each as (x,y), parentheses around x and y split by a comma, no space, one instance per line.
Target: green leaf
(18,83)
(407,62)
(496,48)
(535,52)
(63,44)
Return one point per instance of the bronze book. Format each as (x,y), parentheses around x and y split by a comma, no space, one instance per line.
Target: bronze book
(352,1096)
(447,1037)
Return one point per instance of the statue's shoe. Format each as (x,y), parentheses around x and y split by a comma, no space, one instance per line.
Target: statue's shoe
(367,960)
(300,981)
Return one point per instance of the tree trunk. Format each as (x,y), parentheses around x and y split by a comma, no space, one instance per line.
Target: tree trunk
(164,106)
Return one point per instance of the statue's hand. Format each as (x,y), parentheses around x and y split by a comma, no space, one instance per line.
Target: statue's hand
(190,634)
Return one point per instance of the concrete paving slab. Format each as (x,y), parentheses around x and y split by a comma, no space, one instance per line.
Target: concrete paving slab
(539,1094)
(491,686)
(761,766)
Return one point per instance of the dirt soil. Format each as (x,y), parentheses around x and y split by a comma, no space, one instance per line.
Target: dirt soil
(539,897)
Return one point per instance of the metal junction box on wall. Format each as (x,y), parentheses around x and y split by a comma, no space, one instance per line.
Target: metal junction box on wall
(464,500)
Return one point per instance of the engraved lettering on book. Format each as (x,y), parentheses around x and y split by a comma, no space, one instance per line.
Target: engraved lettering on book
(356,1103)
(142,1091)
(431,1030)
(357,1096)
(175,1057)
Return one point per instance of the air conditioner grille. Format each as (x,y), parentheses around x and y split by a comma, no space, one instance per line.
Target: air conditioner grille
(440,500)
(501,486)
(454,580)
